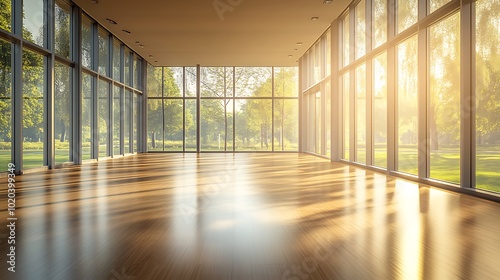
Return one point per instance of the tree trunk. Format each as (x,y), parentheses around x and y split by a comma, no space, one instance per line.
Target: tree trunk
(153,139)
(63,132)
(225,125)
(266,134)
(261,136)
(434,136)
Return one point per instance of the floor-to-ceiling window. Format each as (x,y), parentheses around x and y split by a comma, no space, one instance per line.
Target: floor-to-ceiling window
(487,81)
(241,109)
(408,100)
(62,113)
(316,92)
(444,99)
(34,111)
(379,113)
(407,106)
(5,100)
(61,116)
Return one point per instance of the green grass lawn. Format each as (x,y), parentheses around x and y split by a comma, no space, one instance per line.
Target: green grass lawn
(176,146)
(445,164)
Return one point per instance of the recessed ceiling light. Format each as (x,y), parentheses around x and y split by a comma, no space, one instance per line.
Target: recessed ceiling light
(137,42)
(299,43)
(290,56)
(94,1)
(327,2)
(126,31)
(141,46)
(111,21)
(314,18)
(150,55)
(156,61)
(295,49)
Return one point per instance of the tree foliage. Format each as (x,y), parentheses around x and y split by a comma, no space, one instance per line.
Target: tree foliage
(251,112)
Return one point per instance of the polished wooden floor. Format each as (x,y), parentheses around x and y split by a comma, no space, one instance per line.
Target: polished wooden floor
(245,216)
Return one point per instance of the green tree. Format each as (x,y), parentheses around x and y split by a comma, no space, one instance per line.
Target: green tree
(164,115)
(487,70)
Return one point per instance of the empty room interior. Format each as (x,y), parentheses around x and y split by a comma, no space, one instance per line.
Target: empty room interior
(250,139)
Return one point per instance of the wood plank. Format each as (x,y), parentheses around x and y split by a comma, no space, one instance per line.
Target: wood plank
(245,216)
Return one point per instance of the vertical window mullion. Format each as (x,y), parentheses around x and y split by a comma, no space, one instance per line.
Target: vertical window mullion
(17,88)
(272,109)
(467,95)
(49,147)
(76,146)
(368,84)
(423,94)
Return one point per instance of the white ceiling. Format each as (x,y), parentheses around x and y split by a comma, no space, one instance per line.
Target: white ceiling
(186,33)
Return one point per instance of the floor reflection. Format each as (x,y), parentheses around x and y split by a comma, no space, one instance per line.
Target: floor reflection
(247,216)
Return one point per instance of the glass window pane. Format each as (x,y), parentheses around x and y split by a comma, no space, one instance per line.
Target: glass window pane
(127,121)
(346,116)
(87,45)
(137,71)
(345,41)
(173,82)
(253,81)
(285,111)
(488,95)
(190,82)
(155,125)
(360,29)
(361,114)
(136,120)
(306,71)
(407,14)
(117,120)
(34,92)
(6,15)
(190,116)
(286,127)
(62,113)
(173,123)
(212,125)
(328,54)
(126,64)
(379,22)
(87,112)
(218,81)
(5,105)
(407,100)
(104,118)
(436,4)
(444,110)
(117,62)
(63,30)
(103,53)
(34,21)
(318,122)
(155,76)
(328,118)
(379,114)
(253,125)
(286,82)
(311,122)
(317,63)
